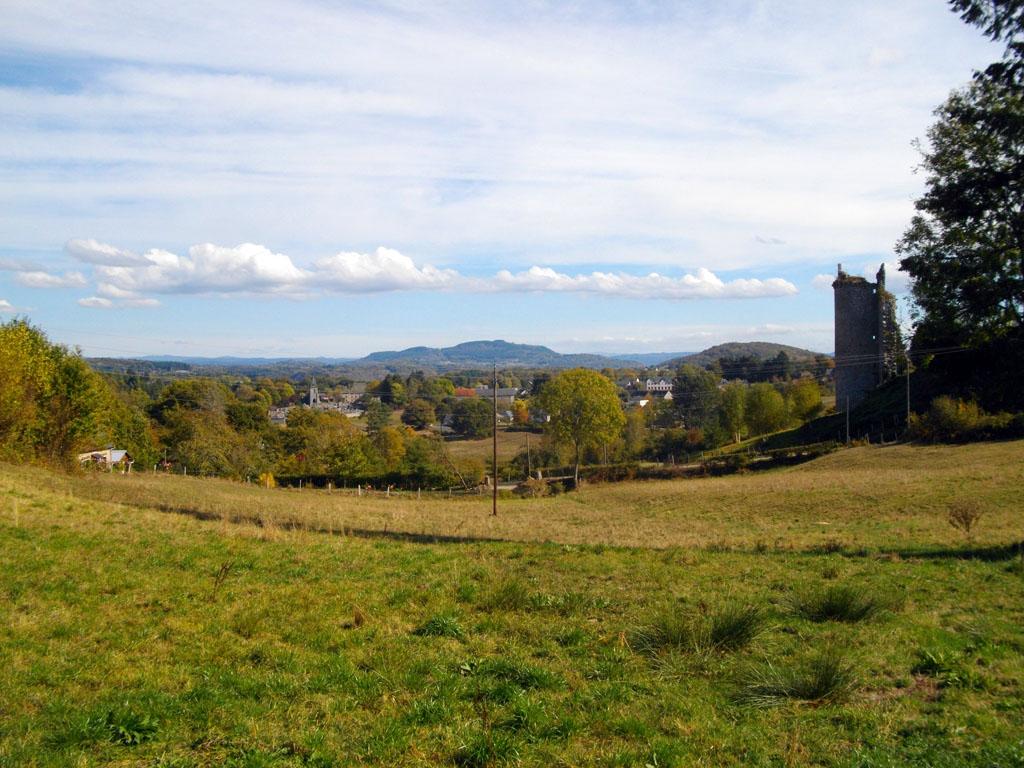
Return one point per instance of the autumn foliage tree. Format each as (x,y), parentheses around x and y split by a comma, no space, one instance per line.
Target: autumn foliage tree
(585,411)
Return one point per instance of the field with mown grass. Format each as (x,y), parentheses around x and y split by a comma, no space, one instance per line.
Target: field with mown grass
(825,614)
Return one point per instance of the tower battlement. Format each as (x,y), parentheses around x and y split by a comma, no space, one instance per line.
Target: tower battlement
(866,336)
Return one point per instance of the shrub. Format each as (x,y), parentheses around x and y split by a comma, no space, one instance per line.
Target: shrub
(823,677)
(532,488)
(963,514)
(952,420)
(837,602)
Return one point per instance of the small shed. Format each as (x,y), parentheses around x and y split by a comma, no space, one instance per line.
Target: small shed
(108,459)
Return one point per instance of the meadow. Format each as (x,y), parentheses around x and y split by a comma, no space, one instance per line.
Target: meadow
(826,614)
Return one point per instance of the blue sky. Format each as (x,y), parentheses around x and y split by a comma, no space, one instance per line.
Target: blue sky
(303,178)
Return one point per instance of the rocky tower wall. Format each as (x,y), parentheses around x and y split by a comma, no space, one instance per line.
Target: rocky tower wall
(859,309)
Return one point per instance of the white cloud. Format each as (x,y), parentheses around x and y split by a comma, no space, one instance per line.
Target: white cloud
(586,127)
(142,303)
(18,265)
(702,285)
(39,279)
(896,280)
(383,270)
(93,252)
(249,268)
(823,282)
(6,307)
(96,302)
(246,268)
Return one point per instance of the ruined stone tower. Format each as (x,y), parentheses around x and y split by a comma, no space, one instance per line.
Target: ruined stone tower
(867,336)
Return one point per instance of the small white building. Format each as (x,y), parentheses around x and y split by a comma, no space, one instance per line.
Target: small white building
(108,459)
(658,385)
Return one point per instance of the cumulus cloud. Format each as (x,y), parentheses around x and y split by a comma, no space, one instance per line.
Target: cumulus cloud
(896,280)
(823,282)
(40,279)
(93,252)
(208,268)
(96,302)
(18,265)
(383,270)
(6,307)
(250,268)
(705,284)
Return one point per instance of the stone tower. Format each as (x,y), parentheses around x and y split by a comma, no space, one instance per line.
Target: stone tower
(314,394)
(867,336)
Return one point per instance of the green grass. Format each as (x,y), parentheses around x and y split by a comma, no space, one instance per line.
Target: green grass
(825,676)
(840,602)
(133,636)
(894,499)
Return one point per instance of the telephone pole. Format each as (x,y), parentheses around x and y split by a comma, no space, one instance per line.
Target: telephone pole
(908,390)
(494,447)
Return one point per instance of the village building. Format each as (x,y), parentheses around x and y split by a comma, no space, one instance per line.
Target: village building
(108,459)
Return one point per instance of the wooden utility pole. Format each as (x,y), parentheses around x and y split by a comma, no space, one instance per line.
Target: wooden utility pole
(908,390)
(494,447)
(529,464)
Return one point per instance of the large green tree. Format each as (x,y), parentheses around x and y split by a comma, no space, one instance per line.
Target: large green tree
(473,417)
(964,249)
(696,397)
(585,411)
(765,409)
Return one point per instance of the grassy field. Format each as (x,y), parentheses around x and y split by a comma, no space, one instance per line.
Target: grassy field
(733,630)
(509,444)
(892,499)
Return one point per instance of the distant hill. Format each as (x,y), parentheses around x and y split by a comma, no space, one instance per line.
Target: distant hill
(485,353)
(762,350)
(648,359)
(243,362)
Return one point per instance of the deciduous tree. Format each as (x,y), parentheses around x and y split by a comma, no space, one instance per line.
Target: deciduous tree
(585,411)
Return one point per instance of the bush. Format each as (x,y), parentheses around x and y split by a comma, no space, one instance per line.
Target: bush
(950,420)
(963,514)
(532,488)
(823,677)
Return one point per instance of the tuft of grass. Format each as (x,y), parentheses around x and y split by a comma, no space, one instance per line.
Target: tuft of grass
(128,727)
(509,594)
(947,668)
(487,747)
(518,673)
(728,628)
(838,602)
(823,677)
(442,625)
(732,627)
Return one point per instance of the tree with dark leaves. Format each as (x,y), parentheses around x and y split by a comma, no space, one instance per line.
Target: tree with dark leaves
(964,249)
